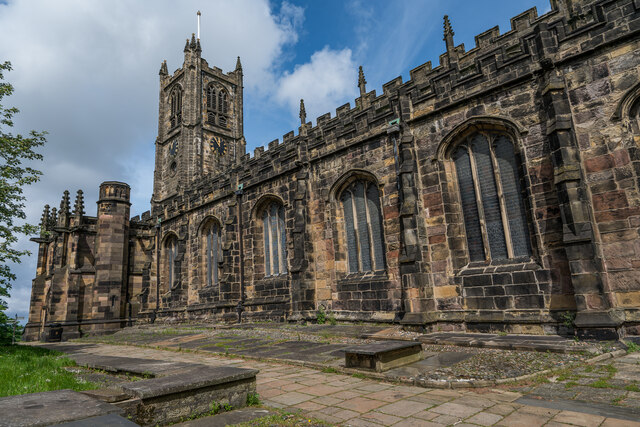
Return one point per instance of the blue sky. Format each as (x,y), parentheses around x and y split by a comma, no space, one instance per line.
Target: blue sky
(388,38)
(86,71)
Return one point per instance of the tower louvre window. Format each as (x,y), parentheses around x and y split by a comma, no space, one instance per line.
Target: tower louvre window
(275,255)
(211,118)
(211,98)
(222,101)
(491,195)
(176,107)
(363,225)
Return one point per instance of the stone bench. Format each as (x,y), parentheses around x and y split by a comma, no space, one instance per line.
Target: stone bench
(382,356)
(169,399)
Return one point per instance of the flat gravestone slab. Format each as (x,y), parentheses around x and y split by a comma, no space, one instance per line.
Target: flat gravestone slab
(129,364)
(552,343)
(381,347)
(199,377)
(430,362)
(382,356)
(51,407)
(446,359)
(600,409)
(111,420)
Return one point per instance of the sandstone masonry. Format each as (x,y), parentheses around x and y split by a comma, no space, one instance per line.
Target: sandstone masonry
(496,191)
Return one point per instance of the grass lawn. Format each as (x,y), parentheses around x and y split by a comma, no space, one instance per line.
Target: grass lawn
(25,369)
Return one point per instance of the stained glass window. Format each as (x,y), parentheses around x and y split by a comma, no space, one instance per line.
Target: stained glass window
(363,226)
(275,255)
(491,196)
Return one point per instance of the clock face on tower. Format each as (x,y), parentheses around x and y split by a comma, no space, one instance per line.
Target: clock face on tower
(218,145)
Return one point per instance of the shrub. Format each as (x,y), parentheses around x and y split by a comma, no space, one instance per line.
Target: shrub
(253,399)
(321,316)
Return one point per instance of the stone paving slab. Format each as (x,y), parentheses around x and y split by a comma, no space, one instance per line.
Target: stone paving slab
(51,407)
(605,411)
(340,398)
(610,382)
(227,418)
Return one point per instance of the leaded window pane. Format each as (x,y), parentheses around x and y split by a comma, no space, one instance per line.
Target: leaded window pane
(172,251)
(489,197)
(362,227)
(469,204)
(212,254)
(512,191)
(215,254)
(352,249)
(267,246)
(208,258)
(373,205)
(275,252)
(282,240)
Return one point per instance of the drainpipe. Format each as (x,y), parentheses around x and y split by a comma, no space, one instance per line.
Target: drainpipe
(240,307)
(127,304)
(154,314)
(393,130)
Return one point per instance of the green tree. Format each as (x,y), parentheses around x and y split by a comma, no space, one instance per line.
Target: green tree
(14,175)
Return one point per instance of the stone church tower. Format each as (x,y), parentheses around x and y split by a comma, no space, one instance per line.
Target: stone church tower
(200,124)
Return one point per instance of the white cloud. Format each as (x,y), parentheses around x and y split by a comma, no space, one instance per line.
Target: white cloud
(324,82)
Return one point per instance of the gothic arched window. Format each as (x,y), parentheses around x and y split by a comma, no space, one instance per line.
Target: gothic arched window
(491,194)
(171,253)
(275,254)
(363,225)
(176,106)
(211,240)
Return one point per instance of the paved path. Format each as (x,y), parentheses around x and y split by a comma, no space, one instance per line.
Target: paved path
(346,400)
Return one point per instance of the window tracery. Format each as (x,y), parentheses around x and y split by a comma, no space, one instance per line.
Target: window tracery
(171,254)
(275,254)
(363,226)
(491,195)
(211,246)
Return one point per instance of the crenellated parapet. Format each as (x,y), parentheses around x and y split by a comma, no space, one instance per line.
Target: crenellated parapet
(496,60)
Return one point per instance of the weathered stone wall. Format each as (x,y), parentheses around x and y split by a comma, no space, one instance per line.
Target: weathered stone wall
(562,87)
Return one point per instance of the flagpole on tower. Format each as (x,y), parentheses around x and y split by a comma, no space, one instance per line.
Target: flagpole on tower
(199,25)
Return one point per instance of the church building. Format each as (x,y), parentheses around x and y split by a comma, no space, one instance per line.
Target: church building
(498,190)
